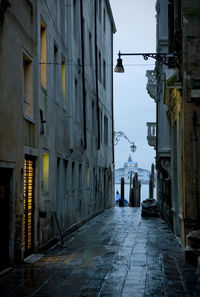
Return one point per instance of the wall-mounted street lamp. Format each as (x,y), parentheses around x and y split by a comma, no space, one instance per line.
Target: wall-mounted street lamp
(118,135)
(170,59)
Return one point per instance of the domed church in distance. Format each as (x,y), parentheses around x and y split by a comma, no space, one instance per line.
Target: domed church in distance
(131,167)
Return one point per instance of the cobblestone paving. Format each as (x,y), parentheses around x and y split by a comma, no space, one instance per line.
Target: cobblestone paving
(116,254)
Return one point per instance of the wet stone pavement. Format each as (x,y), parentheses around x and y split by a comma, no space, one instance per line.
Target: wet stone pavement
(118,253)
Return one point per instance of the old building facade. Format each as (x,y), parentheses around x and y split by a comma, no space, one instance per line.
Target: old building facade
(56,119)
(177,97)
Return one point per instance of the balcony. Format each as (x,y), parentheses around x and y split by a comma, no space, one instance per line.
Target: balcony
(152,83)
(151,134)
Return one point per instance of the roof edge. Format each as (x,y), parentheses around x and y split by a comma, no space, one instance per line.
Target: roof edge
(111,16)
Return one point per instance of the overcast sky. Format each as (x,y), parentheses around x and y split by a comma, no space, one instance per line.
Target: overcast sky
(136,32)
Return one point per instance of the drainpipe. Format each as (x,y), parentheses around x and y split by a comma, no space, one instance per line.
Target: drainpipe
(70,80)
(83,76)
(113,149)
(96,75)
(195,169)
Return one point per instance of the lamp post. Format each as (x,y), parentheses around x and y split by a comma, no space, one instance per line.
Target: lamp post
(118,135)
(170,59)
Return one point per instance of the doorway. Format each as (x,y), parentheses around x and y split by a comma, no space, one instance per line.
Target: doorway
(5,214)
(29,178)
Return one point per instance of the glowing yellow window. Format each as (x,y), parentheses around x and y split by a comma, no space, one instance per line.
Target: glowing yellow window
(63,80)
(45,171)
(43,54)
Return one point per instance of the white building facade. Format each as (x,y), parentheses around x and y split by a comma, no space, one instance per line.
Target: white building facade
(129,169)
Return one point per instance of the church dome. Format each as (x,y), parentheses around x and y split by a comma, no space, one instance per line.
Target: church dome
(130,163)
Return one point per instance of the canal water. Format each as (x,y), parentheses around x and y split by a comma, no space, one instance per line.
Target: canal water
(144,191)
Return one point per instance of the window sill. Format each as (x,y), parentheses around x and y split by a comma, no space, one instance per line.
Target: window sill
(27,118)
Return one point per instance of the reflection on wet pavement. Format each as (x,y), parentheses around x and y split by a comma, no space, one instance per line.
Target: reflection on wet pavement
(116,254)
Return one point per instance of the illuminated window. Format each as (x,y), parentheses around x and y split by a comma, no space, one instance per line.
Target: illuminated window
(45,172)
(43,53)
(88,176)
(27,86)
(63,80)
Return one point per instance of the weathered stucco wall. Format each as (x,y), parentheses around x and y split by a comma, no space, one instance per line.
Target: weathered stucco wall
(44,124)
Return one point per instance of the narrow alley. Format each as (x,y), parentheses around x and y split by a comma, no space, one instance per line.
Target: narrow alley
(118,253)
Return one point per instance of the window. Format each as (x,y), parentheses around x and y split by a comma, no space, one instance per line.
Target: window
(93,118)
(100,8)
(75,9)
(55,72)
(76,101)
(101,126)
(100,181)
(65,183)
(99,66)
(104,73)
(105,130)
(43,54)
(90,48)
(73,176)
(88,176)
(63,80)
(80,177)
(94,182)
(104,20)
(45,172)
(27,86)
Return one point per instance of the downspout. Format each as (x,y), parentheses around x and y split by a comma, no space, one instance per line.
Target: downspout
(83,76)
(70,83)
(112,103)
(157,156)
(195,169)
(96,75)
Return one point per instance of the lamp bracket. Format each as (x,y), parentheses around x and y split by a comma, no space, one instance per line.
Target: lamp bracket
(118,135)
(170,59)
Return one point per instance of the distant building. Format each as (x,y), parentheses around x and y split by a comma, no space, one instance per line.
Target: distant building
(131,167)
